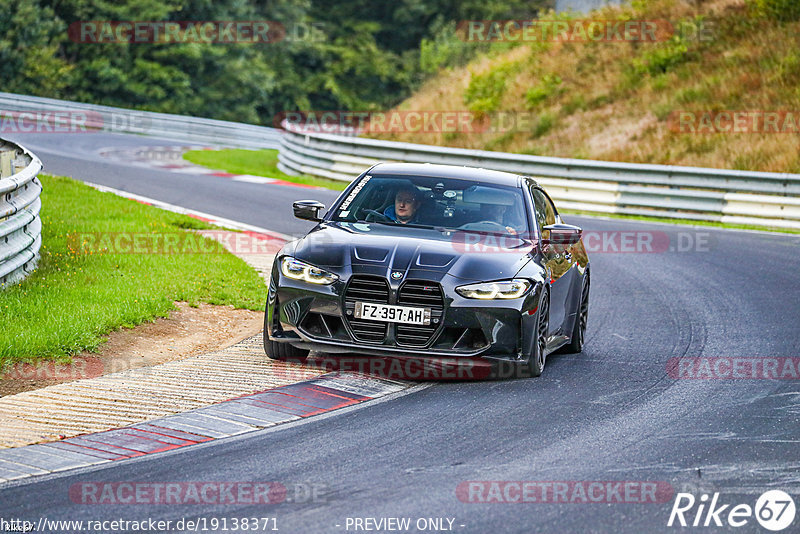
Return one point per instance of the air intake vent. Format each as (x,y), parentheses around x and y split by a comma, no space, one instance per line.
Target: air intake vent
(423,294)
(366,289)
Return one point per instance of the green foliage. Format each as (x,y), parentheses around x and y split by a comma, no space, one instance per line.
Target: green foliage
(783,10)
(787,71)
(485,91)
(661,58)
(549,86)
(338,54)
(445,49)
(29,42)
(499,142)
(662,110)
(752,159)
(543,125)
(693,95)
(576,103)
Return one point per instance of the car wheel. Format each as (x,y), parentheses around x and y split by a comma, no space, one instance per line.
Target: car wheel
(579,330)
(537,357)
(282,351)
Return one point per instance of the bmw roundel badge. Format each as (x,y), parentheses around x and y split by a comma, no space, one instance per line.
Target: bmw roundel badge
(397,275)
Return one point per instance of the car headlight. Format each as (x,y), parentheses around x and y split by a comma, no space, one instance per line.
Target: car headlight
(506,289)
(300,270)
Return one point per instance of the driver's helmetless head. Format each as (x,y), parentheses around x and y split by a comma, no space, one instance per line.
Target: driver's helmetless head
(495,211)
(406,202)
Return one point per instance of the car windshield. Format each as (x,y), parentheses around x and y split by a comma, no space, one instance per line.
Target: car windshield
(436,203)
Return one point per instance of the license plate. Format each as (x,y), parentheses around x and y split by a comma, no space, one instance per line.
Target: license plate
(392,314)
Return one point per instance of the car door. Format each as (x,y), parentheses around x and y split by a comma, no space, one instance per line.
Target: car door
(557,260)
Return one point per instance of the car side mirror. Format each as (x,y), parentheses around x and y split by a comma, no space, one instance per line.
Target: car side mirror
(308,210)
(561,234)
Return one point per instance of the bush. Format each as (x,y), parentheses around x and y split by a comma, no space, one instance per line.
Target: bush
(663,58)
(485,91)
(549,86)
(446,50)
(544,125)
(783,10)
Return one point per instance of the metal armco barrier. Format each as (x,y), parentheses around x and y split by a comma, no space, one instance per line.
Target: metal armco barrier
(20,225)
(118,120)
(692,193)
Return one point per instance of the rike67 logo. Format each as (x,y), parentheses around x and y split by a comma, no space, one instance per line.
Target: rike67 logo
(774,510)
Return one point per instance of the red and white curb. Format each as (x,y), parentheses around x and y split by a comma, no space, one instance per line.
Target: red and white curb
(248,413)
(170,158)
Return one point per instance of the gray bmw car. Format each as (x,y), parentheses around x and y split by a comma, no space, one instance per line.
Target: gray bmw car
(435,261)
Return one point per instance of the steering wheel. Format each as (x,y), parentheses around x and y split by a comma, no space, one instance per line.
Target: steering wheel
(372,215)
(485,226)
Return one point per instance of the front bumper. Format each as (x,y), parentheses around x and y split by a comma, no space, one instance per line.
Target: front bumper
(315,317)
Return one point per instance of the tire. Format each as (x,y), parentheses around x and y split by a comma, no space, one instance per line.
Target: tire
(284,352)
(579,329)
(537,358)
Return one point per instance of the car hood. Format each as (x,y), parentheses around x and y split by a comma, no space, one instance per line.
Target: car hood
(380,249)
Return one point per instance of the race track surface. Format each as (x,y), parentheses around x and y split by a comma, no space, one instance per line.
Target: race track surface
(612,413)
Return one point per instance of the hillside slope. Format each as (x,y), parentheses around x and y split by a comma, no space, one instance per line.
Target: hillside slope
(622,101)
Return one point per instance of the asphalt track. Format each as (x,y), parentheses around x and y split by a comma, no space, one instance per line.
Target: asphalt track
(79,156)
(612,413)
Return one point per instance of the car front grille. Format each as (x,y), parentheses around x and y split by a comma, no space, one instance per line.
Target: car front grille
(366,289)
(423,294)
(416,293)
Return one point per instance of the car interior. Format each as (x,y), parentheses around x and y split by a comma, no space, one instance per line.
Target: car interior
(443,203)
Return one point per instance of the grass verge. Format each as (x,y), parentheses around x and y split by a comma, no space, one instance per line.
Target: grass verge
(255,162)
(78,294)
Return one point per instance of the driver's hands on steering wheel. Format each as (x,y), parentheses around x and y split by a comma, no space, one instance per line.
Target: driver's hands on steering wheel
(374,214)
(509,229)
(488,226)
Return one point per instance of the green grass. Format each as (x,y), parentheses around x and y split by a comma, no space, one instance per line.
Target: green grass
(255,162)
(77,296)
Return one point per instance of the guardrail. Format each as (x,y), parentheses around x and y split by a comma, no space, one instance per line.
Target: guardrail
(20,225)
(692,193)
(119,120)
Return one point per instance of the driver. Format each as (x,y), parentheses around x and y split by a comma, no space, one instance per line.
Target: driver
(406,203)
(497,213)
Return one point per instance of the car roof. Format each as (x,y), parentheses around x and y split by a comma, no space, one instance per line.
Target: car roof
(445,171)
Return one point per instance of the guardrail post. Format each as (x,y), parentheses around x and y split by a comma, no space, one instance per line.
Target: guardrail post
(6,159)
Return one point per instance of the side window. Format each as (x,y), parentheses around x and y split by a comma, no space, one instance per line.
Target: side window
(540,204)
(550,210)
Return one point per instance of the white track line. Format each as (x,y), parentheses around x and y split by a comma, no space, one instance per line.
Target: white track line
(213,219)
